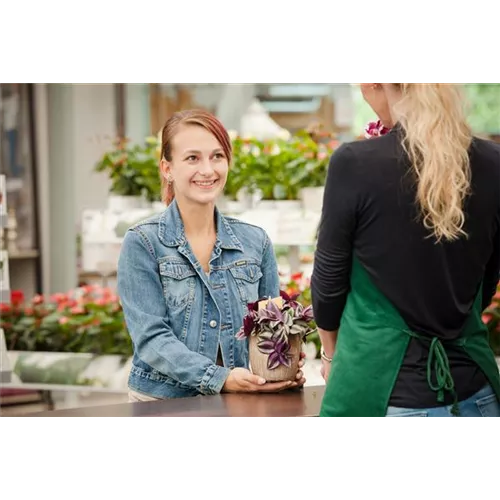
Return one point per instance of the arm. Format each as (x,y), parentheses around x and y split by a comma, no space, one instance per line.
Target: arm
(332,264)
(492,271)
(269,285)
(146,315)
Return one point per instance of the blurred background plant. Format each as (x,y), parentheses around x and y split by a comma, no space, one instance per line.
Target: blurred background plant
(299,283)
(280,167)
(133,168)
(88,319)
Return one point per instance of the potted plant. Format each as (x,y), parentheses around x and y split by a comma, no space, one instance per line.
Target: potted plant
(133,171)
(75,338)
(299,285)
(275,329)
(287,171)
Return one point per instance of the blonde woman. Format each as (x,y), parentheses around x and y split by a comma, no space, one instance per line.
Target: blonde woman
(408,257)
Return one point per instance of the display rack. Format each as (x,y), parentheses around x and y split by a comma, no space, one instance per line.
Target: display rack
(103,231)
(5,370)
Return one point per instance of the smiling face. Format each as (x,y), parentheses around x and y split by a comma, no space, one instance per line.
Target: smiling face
(198,166)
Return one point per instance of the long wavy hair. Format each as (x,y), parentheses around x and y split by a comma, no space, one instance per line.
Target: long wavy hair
(437,139)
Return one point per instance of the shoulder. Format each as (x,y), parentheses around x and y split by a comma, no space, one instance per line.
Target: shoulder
(344,162)
(367,147)
(486,149)
(485,160)
(365,157)
(151,223)
(141,235)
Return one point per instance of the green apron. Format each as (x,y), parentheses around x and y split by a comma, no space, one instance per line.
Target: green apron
(372,343)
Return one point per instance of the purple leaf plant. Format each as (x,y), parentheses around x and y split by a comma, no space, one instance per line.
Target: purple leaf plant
(273,325)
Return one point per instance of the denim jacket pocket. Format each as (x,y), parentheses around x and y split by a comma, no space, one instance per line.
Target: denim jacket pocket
(178,280)
(247,276)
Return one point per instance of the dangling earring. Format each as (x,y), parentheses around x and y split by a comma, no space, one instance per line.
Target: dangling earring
(169,179)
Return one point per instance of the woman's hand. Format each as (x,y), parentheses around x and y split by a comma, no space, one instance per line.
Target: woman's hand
(243,380)
(300,375)
(325,369)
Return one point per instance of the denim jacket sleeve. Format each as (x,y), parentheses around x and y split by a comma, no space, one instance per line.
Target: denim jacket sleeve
(269,285)
(146,316)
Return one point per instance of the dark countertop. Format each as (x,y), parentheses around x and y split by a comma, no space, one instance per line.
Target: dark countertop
(294,403)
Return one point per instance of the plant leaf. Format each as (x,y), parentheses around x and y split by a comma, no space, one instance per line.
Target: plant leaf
(266,334)
(266,346)
(286,360)
(273,361)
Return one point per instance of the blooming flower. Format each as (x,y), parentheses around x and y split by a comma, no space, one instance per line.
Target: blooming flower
(375,129)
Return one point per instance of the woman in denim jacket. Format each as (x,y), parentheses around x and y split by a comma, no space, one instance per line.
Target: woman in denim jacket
(185,276)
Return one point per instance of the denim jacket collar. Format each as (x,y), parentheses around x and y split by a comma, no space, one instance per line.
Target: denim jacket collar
(171,229)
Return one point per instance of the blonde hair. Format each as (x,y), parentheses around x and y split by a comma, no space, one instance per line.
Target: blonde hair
(437,140)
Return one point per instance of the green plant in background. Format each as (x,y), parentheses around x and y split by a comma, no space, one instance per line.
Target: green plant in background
(133,169)
(300,284)
(282,166)
(88,319)
(483,107)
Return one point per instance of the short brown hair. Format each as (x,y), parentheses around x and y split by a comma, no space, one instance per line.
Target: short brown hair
(197,117)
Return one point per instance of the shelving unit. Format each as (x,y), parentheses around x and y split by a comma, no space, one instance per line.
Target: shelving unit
(5,369)
(18,165)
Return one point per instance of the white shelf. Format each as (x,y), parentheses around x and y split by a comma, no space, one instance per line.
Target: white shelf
(5,368)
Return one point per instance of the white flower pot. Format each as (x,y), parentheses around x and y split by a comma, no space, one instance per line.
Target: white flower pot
(158,206)
(117,203)
(312,198)
(281,205)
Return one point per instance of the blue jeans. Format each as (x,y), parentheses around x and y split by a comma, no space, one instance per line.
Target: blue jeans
(483,404)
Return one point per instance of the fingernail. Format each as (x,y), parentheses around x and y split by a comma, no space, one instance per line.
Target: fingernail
(262,381)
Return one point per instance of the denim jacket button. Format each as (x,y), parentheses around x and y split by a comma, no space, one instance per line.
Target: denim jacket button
(213,323)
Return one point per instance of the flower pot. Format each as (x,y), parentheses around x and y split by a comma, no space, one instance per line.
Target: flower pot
(312,198)
(158,206)
(279,205)
(117,203)
(258,361)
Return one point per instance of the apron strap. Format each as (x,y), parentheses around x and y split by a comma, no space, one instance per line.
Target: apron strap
(439,363)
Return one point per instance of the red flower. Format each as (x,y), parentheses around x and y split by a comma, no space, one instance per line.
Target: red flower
(375,129)
(17,297)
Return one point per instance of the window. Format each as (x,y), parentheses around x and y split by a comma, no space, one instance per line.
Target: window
(16,155)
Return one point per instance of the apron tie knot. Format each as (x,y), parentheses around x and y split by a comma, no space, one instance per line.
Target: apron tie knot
(439,363)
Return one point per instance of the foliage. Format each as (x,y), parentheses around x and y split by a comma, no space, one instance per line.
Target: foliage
(88,319)
(282,166)
(133,169)
(483,107)
(300,285)
(273,324)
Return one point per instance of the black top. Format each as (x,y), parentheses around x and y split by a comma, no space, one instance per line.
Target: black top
(370,209)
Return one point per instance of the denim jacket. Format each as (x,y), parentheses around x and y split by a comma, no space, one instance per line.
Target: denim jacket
(177,315)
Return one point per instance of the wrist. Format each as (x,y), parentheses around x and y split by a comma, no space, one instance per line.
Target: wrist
(325,356)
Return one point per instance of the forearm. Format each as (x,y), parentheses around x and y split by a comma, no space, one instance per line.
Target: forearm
(328,341)
(330,287)
(167,354)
